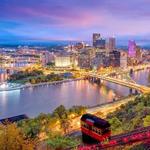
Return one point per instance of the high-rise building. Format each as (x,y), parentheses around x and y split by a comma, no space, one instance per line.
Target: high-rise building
(123,59)
(101,59)
(132,49)
(97,61)
(96,36)
(112,44)
(47,57)
(85,58)
(138,53)
(114,57)
(100,43)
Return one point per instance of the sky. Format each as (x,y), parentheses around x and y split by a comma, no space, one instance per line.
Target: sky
(45,20)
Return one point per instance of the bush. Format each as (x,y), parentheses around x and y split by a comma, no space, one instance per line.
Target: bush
(61,143)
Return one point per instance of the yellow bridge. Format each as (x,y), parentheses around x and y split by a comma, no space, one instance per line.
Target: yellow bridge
(141,88)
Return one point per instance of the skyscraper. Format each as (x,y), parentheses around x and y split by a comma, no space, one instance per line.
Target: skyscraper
(138,53)
(114,57)
(132,49)
(100,43)
(123,59)
(96,36)
(112,44)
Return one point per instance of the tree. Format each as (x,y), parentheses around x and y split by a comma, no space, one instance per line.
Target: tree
(60,112)
(31,128)
(79,110)
(139,106)
(11,138)
(32,81)
(136,123)
(116,125)
(65,125)
(146,121)
(60,143)
(53,126)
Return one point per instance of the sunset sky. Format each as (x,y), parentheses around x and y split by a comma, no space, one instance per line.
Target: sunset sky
(74,19)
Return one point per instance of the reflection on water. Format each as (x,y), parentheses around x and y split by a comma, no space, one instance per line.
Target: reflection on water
(9,101)
(141,77)
(33,101)
(3,77)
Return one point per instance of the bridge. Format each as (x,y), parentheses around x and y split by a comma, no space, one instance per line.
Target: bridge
(140,88)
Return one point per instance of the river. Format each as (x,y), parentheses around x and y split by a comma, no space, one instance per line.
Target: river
(32,101)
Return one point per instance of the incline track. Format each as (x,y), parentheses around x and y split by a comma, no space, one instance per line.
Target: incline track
(137,135)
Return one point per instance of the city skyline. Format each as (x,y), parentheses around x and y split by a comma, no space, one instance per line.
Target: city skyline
(45,20)
(74,74)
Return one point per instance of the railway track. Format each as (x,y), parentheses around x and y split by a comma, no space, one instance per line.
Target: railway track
(137,135)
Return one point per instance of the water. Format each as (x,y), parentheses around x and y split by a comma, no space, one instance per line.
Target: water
(45,99)
(41,44)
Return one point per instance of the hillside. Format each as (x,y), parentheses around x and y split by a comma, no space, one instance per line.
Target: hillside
(133,115)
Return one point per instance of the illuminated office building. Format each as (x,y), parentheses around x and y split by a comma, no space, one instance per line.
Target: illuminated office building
(132,49)
(96,36)
(112,44)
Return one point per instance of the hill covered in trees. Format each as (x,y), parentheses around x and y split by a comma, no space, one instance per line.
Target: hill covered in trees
(50,130)
(133,115)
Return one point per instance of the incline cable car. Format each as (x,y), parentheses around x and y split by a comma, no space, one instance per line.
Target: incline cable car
(94,128)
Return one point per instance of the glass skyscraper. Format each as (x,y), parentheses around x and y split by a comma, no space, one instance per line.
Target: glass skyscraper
(132,49)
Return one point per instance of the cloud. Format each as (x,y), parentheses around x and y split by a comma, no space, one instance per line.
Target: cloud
(74,18)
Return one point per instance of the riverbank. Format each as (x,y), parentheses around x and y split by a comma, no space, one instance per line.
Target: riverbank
(51,83)
(110,106)
(29,85)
